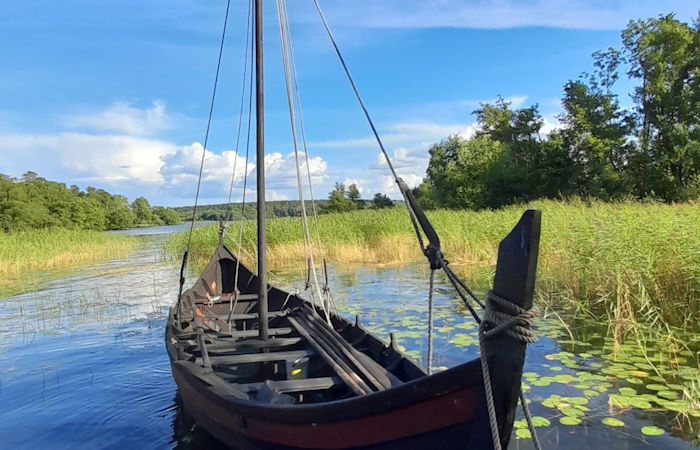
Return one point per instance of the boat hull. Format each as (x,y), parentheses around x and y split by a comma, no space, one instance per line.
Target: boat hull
(442,419)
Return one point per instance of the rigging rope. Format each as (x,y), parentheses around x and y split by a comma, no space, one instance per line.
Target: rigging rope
(247,156)
(229,207)
(206,135)
(517,327)
(287,60)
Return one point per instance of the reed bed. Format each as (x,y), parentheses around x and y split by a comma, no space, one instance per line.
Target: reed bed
(632,262)
(26,252)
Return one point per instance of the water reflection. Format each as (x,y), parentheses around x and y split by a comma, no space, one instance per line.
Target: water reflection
(83,365)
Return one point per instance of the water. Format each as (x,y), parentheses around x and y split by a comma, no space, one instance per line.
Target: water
(83,365)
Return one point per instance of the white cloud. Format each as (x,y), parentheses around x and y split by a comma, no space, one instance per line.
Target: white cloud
(361,184)
(388,185)
(123,118)
(87,158)
(490,14)
(182,167)
(280,170)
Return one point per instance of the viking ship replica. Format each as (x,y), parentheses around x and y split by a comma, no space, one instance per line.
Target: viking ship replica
(262,368)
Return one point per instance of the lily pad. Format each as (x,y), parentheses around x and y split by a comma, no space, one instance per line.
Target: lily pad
(567,420)
(539,421)
(523,433)
(652,431)
(612,422)
(656,387)
(627,391)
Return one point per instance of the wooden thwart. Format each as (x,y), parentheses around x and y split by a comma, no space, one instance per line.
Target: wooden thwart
(306,384)
(258,357)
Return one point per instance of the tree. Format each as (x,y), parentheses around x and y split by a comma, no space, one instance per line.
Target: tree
(142,209)
(337,200)
(596,131)
(168,216)
(664,54)
(382,201)
(353,194)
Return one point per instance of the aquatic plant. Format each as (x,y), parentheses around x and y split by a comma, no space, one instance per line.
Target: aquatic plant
(24,253)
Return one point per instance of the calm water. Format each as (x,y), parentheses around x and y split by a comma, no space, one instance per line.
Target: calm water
(83,365)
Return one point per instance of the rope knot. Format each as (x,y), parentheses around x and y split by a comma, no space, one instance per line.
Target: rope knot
(502,315)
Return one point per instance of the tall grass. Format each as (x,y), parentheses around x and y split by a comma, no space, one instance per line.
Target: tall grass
(26,252)
(635,262)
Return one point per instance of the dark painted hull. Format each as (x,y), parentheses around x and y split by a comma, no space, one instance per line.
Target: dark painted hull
(414,415)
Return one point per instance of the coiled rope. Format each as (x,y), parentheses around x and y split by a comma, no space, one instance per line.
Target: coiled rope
(503,316)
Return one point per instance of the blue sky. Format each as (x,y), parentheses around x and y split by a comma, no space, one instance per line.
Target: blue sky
(115,94)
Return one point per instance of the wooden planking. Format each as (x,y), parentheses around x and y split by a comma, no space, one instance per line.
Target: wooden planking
(227,298)
(246,344)
(233,334)
(257,357)
(306,384)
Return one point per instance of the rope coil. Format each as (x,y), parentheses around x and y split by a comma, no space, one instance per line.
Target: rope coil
(501,315)
(504,316)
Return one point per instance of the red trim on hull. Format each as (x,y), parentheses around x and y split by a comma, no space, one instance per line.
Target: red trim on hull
(412,420)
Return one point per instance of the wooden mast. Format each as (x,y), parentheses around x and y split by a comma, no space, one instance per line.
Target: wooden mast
(260,166)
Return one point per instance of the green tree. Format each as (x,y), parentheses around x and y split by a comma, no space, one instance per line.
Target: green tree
(142,209)
(168,216)
(596,131)
(353,194)
(338,201)
(664,55)
(381,201)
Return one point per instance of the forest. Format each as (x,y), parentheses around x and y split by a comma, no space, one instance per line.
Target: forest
(650,150)
(33,202)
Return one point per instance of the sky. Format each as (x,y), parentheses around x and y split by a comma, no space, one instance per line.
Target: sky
(116,94)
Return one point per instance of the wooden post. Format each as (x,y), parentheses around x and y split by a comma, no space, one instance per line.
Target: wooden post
(515,281)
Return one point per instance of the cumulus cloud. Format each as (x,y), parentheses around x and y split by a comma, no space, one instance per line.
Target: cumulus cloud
(123,118)
(88,158)
(182,167)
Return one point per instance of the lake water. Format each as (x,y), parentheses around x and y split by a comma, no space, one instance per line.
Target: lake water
(83,365)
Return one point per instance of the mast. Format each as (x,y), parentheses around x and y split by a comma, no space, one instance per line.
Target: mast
(260,166)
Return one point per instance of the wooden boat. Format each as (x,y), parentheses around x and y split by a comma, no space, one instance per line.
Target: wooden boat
(261,368)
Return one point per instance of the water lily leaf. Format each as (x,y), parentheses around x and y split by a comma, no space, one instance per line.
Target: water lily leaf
(590,393)
(627,391)
(523,433)
(639,403)
(612,422)
(652,431)
(571,412)
(567,420)
(670,395)
(634,381)
(539,421)
(522,423)
(577,400)
(550,402)
(656,387)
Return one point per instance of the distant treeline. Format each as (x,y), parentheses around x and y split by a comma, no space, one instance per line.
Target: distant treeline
(278,208)
(34,202)
(601,150)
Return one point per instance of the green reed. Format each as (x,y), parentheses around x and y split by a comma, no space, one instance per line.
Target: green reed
(27,252)
(631,262)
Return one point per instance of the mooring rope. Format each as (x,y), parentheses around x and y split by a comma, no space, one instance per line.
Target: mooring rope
(504,316)
(430,321)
